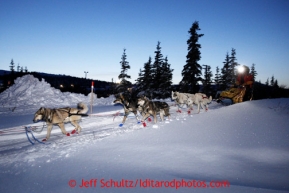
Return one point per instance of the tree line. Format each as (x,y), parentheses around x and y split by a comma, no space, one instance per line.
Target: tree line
(20,69)
(155,79)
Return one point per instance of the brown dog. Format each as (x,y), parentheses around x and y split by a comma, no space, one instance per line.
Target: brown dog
(129,105)
(60,116)
(152,108)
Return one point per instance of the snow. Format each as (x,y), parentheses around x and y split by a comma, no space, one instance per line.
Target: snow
(244,145)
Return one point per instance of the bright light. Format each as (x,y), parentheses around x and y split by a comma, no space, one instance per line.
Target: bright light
(241,69)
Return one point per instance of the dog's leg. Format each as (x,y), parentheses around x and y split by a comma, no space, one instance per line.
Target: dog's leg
(192,106)
(203,107)
(77,127)
(189,109)
(145,117)
(179,111)
(135,113)
(162,115)
(206,105)
(155,117)
(199,106)
(124,118)
(49,128)
(61,126)
(126,112)
(167,113)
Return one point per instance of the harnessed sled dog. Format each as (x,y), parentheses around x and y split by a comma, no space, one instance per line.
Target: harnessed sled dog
(60,116)
(190,99)
(199,99)
(181,99)
(152,108)
(129,105)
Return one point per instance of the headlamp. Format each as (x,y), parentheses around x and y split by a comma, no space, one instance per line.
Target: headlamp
(241,69)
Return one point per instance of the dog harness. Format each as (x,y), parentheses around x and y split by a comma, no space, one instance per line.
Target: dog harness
(53,111)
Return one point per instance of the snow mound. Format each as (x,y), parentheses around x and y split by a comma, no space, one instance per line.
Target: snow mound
(29,91)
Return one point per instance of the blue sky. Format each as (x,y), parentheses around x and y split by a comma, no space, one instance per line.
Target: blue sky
(73,36)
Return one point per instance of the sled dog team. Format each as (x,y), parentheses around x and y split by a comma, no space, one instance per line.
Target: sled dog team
(130,104)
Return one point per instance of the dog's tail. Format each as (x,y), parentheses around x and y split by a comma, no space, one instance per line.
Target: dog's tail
(210,99)
(83,108)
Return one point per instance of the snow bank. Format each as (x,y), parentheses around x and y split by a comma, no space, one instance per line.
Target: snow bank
(30,93)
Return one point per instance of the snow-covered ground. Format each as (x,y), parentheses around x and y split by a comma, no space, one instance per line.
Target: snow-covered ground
(239,148)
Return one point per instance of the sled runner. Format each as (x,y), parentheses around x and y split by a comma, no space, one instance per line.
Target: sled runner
(29,129)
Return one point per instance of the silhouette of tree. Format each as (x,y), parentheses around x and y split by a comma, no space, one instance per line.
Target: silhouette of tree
(192,71)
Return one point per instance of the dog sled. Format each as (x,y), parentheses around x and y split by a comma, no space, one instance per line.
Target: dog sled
(232,95)
(242,89)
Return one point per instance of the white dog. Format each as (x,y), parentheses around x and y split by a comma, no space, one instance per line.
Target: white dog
(199,99)
(182,99)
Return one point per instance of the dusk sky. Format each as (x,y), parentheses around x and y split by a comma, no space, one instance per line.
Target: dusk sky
(72,36)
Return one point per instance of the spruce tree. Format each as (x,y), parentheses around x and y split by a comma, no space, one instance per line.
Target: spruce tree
(147,81)
(276,84)
(18,68)
(123,76)
(156,71)
(139,80)
(207,79)
(267,82)
(232,66)
(192,71)
(225,77)
(272,81)
(12,66)
(165,83)
(144,81)
(217,78)
(253,71)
